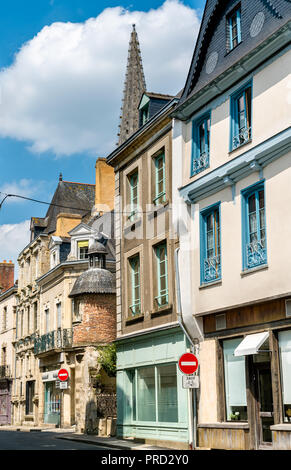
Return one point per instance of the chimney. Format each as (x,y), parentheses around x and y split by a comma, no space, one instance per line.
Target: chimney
(6,275)
(104,186)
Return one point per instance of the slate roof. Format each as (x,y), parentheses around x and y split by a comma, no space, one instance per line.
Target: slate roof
(94,281)
(212,37)
(69,197)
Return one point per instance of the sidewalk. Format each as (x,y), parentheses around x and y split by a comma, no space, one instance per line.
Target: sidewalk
(71,435)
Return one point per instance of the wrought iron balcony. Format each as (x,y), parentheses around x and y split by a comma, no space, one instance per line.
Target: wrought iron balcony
(256,253)
(57,339)
(212,269)
(242,138)
(200,163)
(5,372)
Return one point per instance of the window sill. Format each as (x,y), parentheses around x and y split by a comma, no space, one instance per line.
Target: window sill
(161,311)
(240,146)
(158,209)
(136,319)
(254,270)
(210,284)
(281,427)
(226,424)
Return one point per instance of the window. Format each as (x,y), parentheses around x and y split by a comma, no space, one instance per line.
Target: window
(28,320)
(154,395)
(210,244)
(162,274)
(144,113)
(241,110)
(133,186)
(76,310)
(254,230)
(4,326)
(201,144)
(234,29)
(35,316)
(135,303)
(235,382)
(59,314)
(29,397)
(160,179)
(285,359)
(47,320)
(83,249)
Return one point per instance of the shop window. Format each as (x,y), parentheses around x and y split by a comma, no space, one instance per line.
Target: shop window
(241,115)
(154,395)
(146,403)
(254,229)
(210,244)
(201,144)
(285,359)
(235,382)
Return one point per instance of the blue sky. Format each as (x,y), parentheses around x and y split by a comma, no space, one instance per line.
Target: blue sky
(61,82)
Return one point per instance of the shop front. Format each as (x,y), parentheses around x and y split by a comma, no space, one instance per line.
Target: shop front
(151,403)
(52,398)
(253,391)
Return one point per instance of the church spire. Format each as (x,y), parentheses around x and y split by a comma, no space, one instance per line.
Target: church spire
(134,87)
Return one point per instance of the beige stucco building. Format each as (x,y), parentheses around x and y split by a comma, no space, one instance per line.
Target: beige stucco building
(7,331)
(231,190)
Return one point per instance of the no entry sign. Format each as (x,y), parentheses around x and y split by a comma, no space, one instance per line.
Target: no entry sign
(188,363)
(63,375)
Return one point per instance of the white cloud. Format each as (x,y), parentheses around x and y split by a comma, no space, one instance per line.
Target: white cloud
(13,238)
(23,187)
(63,92)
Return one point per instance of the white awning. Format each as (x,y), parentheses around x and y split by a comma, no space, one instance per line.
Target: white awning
(251,344)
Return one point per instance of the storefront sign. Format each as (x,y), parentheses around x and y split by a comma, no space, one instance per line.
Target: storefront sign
(50,376)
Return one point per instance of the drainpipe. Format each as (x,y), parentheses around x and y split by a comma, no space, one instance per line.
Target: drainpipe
(192,405)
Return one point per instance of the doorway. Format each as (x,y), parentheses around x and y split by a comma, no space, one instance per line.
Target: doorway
(264,401)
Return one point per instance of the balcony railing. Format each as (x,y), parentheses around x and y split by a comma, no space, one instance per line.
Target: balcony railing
(5,372)
(242,138)
(200,163)
(212,269)
(256,253)
(57,339)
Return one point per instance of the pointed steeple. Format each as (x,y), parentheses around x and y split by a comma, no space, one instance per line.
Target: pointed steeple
(134,87)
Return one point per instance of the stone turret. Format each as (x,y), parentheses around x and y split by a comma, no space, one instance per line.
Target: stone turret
(134,87)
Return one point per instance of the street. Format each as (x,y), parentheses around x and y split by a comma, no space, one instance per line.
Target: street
(15,440)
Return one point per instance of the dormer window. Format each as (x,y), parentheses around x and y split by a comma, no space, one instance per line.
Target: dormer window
(234,28)
(144,110)
(83,246)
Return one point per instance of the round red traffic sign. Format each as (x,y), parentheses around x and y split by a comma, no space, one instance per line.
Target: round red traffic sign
(188,363)
(63,375)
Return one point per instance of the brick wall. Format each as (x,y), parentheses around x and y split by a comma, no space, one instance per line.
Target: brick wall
(6,275)
(98,319)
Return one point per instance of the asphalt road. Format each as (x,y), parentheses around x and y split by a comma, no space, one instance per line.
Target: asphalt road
(17,440)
